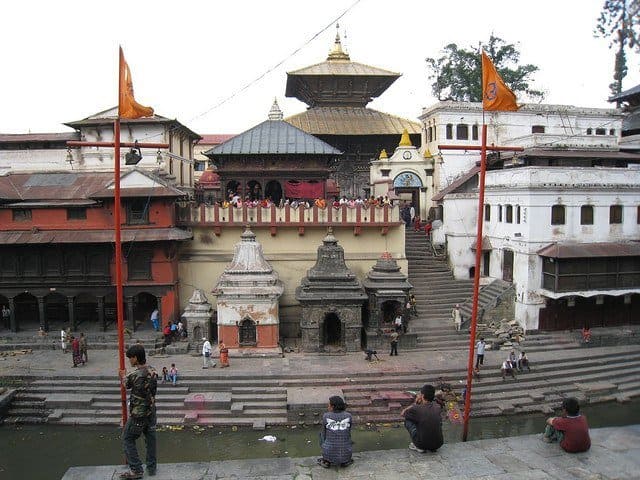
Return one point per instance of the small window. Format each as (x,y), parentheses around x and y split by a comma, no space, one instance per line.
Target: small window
(474,132)
(487,213)
(499,213)
(449,131)
(517,213)
(139,264)
(586,215)
(615,214)
(509,214)
(462,132)
(537,129)
(557,215)
(601,131)
(21,215)
(76,213)
(589,131)
(612,131)
(428,134)
(638,215)
(137,212)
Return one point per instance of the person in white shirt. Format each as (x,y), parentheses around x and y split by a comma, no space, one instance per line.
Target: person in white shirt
(206,354)
(508,369)
(457,317)
(64,336)
(480,352)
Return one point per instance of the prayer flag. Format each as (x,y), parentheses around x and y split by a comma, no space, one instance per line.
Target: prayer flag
(127,105)
(496,96)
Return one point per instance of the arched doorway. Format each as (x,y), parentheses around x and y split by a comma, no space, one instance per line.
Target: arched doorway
(407,187)
(232,187)
(390,309)
(4,302)
(143,304)
(27,313)
(273,189)
(247,333)
(254,190)
(56,311)
(86,309)
(332,330)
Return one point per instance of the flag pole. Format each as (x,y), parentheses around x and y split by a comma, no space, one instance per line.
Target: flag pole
(476,280)
(118,238)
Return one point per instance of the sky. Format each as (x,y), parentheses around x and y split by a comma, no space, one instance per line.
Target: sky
(191,60)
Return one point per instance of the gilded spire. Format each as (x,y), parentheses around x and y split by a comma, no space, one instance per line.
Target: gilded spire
(427,153)
(275,113)
(383,155)
(405,141)
(336,52)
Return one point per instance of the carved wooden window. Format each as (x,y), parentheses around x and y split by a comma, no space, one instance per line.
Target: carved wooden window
(586,215)
(139,264)
(558,215)
(474,132)
(21,214)
(137,211)
(462,132)
(77,213)
(449,131)
(615,214)
(601,131)
(537,129)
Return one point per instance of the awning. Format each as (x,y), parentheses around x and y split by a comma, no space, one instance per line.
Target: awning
(486,245)
(93,236)
(584,250)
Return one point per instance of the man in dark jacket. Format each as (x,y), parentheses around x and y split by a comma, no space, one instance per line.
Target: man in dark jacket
(143,384)
(423,421)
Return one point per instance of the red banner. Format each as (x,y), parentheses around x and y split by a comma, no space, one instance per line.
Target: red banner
(309,190)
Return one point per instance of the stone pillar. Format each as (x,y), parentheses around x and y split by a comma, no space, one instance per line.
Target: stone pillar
(43,321)
(101,319)
(12,318)
(72,313)
(130,313)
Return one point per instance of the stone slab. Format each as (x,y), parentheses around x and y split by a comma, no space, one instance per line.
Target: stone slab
(301,398)
(208,400)
(68,400)
(596,388)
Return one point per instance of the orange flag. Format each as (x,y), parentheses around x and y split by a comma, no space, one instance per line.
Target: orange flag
(127,105)
(496,96)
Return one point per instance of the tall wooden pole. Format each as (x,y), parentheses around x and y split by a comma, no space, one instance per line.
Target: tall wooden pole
(476,282)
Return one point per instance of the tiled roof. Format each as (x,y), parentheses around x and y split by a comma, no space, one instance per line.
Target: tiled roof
(632,92)
(215,138)
(92,236)
(38,137)
(587,250)
(343,68)
(274,137)
(351,121)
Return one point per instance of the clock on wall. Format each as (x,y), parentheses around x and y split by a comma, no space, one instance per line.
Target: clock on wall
(406,155)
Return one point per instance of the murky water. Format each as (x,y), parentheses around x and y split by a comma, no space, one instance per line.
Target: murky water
(46,452)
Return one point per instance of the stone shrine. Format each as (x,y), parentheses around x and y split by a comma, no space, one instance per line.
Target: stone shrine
(331,298)
(387,290)
(197,317)
(248,292)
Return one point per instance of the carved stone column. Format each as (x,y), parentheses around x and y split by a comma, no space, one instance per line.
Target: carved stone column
(132,320)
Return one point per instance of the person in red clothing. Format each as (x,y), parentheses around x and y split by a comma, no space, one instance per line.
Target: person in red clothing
(571,430)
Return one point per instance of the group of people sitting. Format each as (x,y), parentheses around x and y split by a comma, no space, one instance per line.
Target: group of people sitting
(514,363)
(235,200)
(173,331)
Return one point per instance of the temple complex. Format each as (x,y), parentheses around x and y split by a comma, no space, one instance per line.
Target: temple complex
(337,92)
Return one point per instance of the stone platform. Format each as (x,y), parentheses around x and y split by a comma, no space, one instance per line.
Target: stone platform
(615,454)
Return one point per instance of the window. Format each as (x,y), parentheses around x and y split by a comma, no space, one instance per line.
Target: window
(612,131)
(76,213)
(615,214)
(137,212)
(638,215)
(433,133)
(601,131)
(537,129)
(557,215)
(586,215)
(517,213)
(21,214)
(449,131)
(499,213)
(509,214)
(139,264)
(428,134)
(589,131)
(199,166)
(462,132)
(487,213)
(474,132)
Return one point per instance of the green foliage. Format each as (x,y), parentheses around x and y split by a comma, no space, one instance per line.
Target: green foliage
(457,73)
(620,22)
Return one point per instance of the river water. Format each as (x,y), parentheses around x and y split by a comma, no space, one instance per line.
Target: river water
(45,452)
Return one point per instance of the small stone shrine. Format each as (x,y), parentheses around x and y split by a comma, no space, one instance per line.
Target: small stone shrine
(331,298)
(248,292)
(197,317)
(388,290)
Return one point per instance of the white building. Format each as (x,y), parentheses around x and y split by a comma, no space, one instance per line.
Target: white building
(561,219)
(48,151)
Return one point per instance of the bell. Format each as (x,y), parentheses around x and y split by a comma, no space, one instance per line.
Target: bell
(133,157)
(159,157)
(69,156)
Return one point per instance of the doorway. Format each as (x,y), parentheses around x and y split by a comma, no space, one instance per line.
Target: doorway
(273,190)
(507,265)
(486,263)
(248,337)
(332,330)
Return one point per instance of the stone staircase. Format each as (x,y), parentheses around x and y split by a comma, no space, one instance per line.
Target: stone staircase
(591,374)
(489,297)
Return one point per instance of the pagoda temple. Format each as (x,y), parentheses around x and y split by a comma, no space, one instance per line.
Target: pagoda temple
(337,92)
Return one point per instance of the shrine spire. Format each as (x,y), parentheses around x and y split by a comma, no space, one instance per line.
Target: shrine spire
(337,53)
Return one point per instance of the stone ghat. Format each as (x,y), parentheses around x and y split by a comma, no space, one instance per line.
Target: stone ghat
(218,216)
(613,454)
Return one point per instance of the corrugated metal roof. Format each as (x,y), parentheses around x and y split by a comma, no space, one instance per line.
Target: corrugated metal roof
(632,92)
(51,204)
(274,137)
(215,138)
(351,121)
(333,67)
(93,236)
(38,137)
(461,180)
(583,250)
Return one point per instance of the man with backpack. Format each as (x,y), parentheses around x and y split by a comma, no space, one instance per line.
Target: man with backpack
(142,383)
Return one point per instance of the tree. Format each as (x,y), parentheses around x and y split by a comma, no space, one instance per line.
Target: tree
(457,73)
(620,22)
